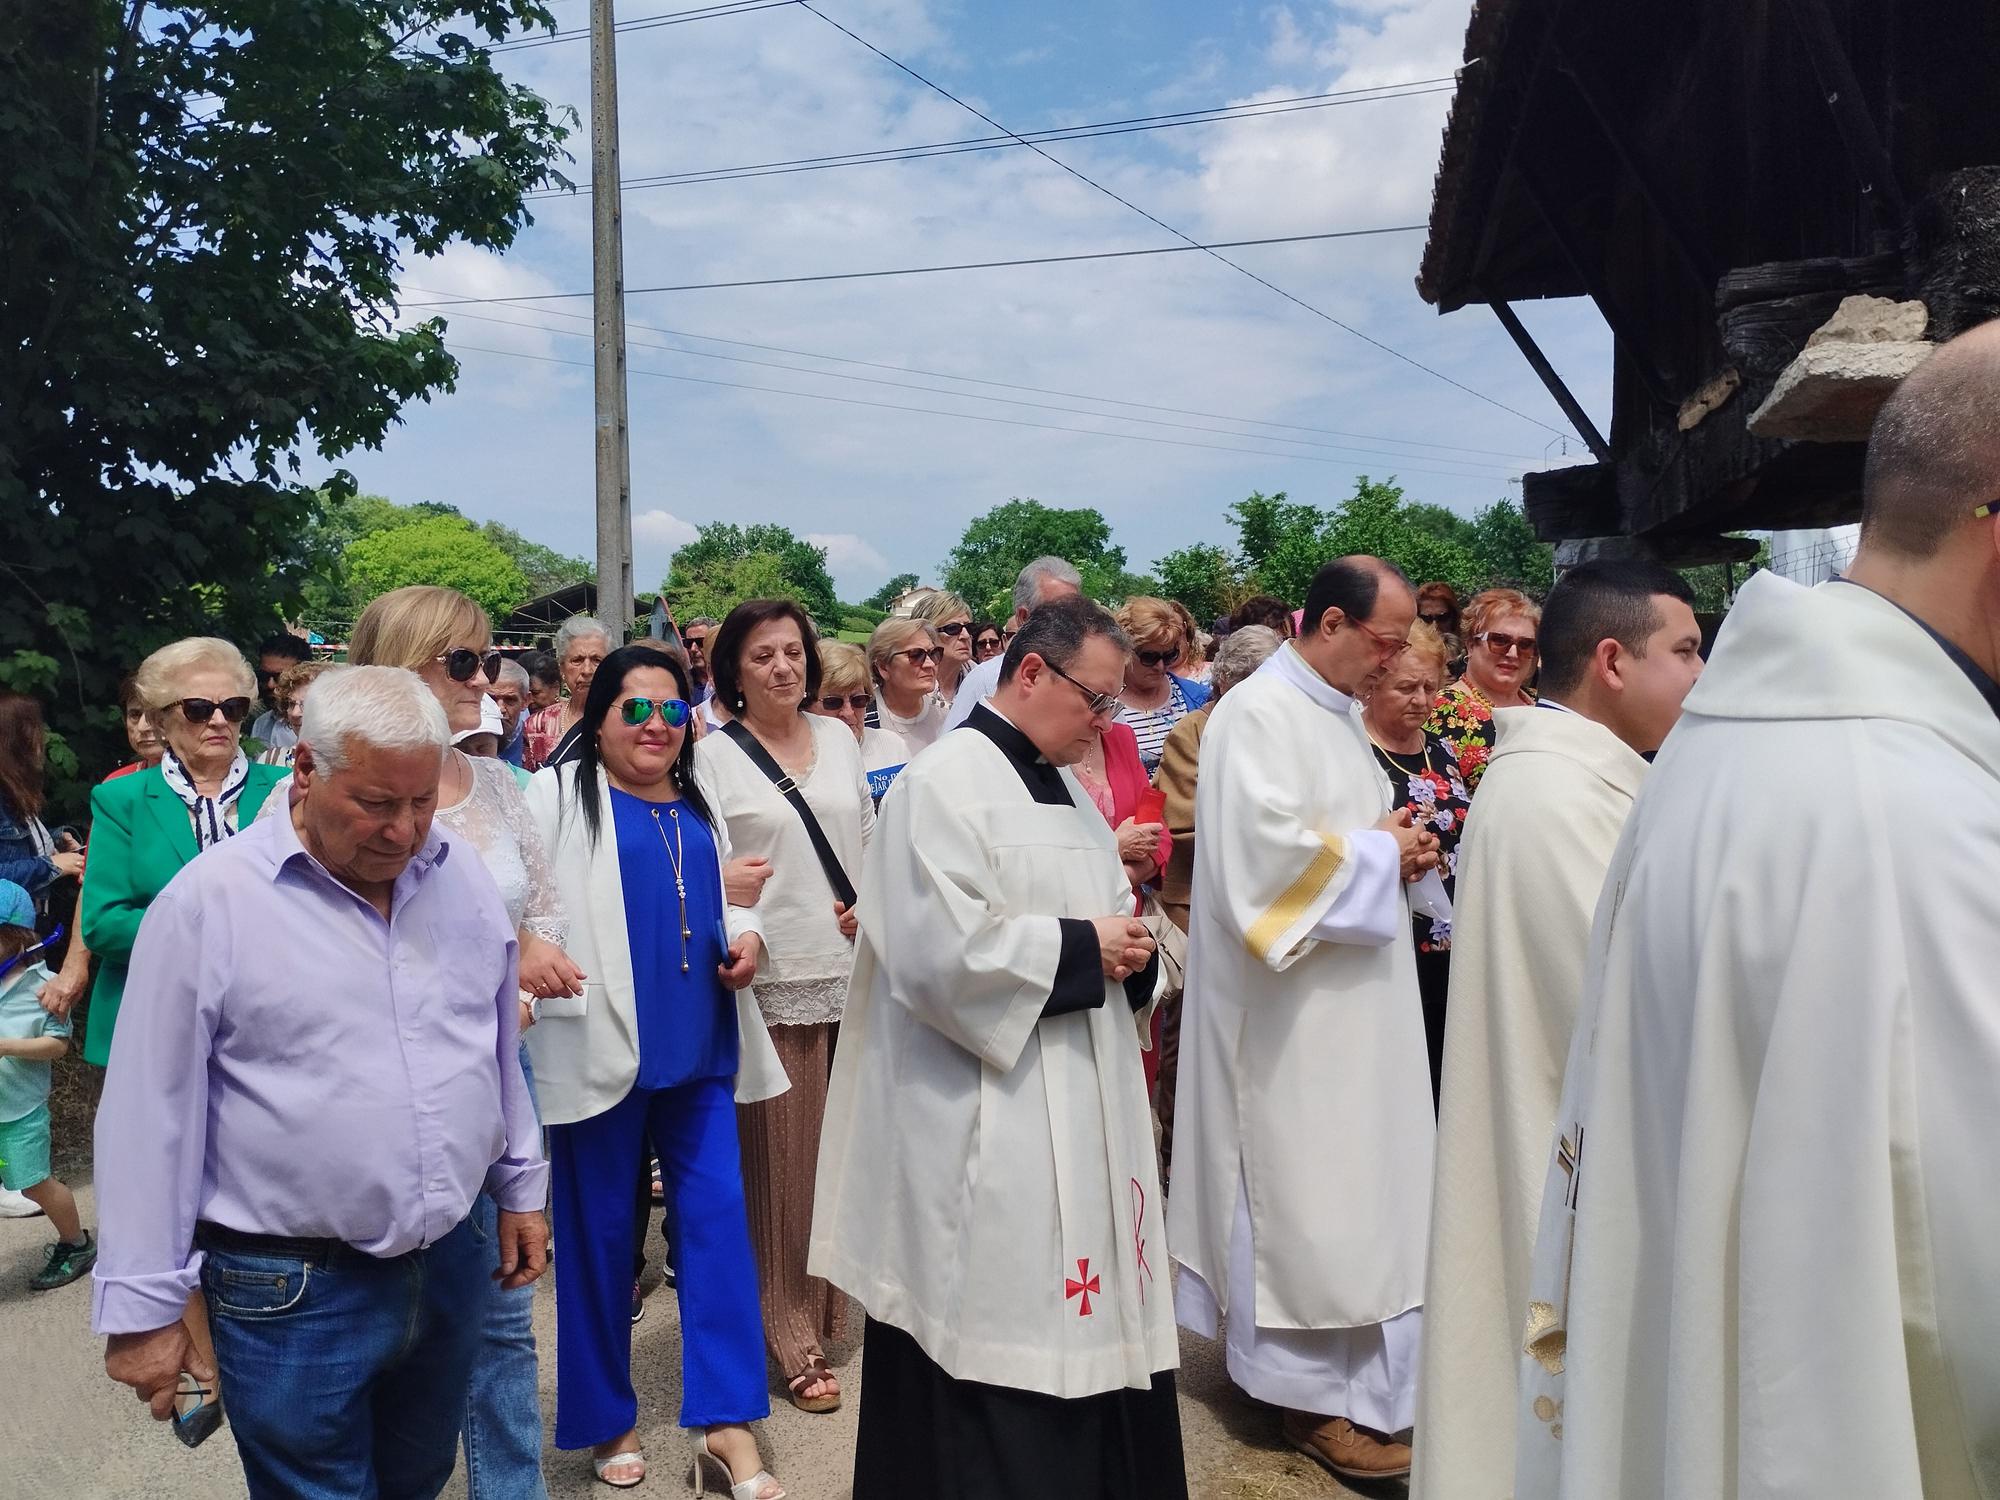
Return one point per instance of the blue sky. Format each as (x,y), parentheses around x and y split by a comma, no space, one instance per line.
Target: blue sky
(890,490)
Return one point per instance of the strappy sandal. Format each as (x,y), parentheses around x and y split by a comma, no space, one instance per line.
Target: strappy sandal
(817,1369)
(763,1485)
(622,1471)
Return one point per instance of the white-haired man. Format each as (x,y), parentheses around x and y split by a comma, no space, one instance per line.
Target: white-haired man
(317,1076)
(510,695)
(1043,580)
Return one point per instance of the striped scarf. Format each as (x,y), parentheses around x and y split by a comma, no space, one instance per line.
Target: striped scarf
(214,817)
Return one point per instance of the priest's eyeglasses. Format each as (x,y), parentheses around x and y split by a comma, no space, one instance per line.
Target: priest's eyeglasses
(1102,705)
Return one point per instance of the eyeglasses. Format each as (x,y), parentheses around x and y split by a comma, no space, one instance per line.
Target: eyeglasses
(1159,658)
(636,711)
(1500,644)
(1437,619)
(201,710)
(858,701)
(916,656)
(956,628)
(462,661)
(1385,645)
(1102,705)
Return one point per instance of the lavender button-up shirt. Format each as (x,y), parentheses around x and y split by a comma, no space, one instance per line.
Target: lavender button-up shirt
(288,1063)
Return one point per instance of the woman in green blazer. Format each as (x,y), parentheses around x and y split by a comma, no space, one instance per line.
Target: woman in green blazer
(145,826)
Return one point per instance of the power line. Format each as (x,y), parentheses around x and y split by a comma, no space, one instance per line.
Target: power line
(1008,385)
(1218,115)
(646,23)
(976,265)
(1470,468)
(962,416)
(1210,250)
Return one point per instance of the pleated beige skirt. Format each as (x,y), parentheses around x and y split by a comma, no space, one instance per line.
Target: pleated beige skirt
(780,1144)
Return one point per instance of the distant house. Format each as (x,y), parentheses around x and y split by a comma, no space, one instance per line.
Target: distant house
(905,604)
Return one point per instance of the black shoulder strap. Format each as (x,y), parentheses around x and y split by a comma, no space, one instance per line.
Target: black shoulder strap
(843,888)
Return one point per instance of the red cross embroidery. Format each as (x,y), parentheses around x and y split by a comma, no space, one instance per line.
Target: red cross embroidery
(1084,1288)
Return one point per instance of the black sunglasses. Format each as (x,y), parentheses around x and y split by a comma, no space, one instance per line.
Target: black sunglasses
(1165,658)
(636,711)
(461,662)
(957,627)
(201,710)
(916,656)
(852,700)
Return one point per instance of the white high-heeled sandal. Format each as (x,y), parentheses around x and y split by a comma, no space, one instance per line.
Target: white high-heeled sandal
(750,1489)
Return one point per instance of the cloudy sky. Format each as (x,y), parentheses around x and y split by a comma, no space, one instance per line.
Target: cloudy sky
(1268,396)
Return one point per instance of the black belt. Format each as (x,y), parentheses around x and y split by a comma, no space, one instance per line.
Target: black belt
(212,1236)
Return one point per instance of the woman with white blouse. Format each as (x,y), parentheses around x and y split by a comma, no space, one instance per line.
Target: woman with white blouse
(765,665)
(903,658)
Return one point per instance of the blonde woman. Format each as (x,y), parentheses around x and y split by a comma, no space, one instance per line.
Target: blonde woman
(951,617)
(1502,645)
(903,656)
(844,695)
(1155,699)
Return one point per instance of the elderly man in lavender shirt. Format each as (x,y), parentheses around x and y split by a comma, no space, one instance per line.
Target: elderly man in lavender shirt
(316,1075)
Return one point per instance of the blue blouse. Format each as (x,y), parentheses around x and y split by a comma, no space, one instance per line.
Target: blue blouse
(687,1022)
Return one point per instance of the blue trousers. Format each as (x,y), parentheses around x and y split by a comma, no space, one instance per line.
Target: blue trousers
(344,1376)
(592,1166)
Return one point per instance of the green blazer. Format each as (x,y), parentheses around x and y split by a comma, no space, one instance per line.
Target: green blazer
(140,836)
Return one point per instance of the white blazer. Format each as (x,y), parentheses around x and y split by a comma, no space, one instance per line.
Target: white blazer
(586,1052)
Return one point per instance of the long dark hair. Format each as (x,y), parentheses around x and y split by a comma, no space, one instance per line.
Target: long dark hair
(22,743)
(606,686)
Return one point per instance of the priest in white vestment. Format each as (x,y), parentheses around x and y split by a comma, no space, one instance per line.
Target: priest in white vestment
(1303,1133)
(987,1184)
(1619,649)
(1765,1269)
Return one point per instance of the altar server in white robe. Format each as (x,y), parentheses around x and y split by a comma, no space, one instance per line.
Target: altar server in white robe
(987,1185)
(1765,1266)
(1302,1158)
(1620,647)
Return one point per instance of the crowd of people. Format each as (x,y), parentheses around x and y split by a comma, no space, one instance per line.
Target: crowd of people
(1044,988)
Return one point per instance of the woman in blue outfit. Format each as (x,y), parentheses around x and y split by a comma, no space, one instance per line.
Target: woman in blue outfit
(657,1046)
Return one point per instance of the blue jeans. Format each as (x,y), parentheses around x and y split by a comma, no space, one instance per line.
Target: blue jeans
(503,1409)
(343,1375)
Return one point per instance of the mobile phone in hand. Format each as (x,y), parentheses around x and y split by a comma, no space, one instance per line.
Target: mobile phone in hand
(197,1411)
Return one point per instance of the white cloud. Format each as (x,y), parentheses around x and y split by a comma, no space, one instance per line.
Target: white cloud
(857,568)
(662,528)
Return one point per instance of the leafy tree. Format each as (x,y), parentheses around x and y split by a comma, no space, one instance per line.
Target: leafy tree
(996,546)
(545,568)
(1265,523)
(445,550)
(902,583)
(1509,552)
(801,570)
(201,213)
(1203,577)
(723,582)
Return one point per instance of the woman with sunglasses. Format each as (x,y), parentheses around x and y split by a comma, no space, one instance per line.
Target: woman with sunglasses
(1155,699)
(1501,627)
(843,695)
(904,655)
(987,641)
(653,1050)
(951,617)
(765,664)
(146,826)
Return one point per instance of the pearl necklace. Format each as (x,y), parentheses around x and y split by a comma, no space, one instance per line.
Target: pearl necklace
(675,853)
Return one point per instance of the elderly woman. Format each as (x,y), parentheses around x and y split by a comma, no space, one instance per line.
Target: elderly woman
(551,736)
(843,695)
(1424,777)
(1501,645)
(1155,699)
(145,827)
(765,664)
(904,656)
(651,1050)
(951,617)
(1242,652)
(293,684)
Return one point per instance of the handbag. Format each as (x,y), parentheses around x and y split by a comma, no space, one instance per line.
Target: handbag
(1171,943)
(843,888)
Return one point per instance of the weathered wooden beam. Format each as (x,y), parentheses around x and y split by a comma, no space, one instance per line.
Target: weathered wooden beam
(1566,504)
(1551,381)
(1878,275)
(1849,107)
(1955,250)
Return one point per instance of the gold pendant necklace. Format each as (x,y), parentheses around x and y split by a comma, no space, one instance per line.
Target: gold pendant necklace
(675,852)
(1395,756)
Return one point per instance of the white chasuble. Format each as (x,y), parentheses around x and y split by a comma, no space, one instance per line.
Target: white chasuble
(1765,1263)
(987,1180)
(1541,833)
(1304,1078)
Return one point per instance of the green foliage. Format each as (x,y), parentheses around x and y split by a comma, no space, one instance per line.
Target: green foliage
(1715,584)
(445,550)
(902,583)
(545,568)
(861,617)
(730,562)
(996,546)
(200,218)
(1509,552)
(1203,577)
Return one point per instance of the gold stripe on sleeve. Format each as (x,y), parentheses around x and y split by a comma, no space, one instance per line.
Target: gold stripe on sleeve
(1299,895)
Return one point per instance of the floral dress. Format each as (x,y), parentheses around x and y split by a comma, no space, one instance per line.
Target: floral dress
(1464,720)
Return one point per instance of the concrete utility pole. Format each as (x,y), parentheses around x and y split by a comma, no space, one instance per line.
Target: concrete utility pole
(607,239)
